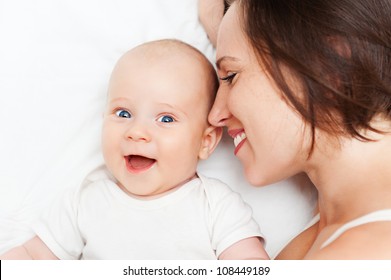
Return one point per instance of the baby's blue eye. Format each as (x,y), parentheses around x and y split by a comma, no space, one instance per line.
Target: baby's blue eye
(123,114)
(166,119)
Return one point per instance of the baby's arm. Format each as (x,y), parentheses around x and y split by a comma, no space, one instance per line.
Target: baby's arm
(34,249)
(247,249)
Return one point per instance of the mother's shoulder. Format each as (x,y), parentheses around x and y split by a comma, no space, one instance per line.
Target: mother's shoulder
(367,241)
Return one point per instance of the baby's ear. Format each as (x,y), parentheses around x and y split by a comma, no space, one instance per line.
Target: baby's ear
(210,139)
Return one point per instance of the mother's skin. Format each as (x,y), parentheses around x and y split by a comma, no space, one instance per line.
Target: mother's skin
(308,92)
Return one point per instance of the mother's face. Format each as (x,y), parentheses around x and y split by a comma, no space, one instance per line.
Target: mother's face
(268,134)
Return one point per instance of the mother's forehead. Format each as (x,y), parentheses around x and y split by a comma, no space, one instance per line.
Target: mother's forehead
(230,27)
(232,43)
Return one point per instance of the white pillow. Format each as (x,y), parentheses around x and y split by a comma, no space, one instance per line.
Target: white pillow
(55,61)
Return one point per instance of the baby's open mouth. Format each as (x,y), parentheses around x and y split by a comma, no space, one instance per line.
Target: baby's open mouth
(137,163)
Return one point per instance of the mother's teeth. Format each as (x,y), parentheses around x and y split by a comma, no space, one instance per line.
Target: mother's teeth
(239,138)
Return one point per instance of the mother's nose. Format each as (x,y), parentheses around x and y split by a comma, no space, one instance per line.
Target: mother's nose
(219,113)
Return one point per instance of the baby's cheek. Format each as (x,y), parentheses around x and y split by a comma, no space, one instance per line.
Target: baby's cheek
(110,144)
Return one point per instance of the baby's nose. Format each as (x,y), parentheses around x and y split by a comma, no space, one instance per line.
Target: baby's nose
(138,131)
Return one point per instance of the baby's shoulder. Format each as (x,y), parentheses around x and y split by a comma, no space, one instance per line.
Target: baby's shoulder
(97,182)
(214,185)
(217,190)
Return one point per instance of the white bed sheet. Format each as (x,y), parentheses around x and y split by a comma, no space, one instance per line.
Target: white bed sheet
(55,61)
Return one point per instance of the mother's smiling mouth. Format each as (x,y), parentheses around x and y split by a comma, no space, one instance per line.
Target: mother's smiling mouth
(239,137)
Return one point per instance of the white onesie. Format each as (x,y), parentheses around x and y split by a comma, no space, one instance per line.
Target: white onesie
(99,221)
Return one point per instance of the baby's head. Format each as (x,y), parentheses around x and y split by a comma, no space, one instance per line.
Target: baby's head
(155,125)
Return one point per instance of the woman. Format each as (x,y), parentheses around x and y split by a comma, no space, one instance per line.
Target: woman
(306,87)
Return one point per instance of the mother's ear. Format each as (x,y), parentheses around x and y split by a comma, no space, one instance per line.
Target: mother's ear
(211,137)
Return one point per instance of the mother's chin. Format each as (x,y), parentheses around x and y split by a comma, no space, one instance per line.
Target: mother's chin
(265,173)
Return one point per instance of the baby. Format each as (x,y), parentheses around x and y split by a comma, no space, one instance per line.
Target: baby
(149,202)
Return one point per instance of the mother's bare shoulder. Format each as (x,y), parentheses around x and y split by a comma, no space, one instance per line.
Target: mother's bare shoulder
(369,242)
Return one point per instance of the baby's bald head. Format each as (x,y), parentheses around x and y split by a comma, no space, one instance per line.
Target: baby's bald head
(177,56)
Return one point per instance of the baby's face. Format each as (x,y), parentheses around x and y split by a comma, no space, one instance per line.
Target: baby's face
(154,122)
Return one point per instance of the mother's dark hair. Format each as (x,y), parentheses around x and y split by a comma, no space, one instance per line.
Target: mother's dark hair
(339,50)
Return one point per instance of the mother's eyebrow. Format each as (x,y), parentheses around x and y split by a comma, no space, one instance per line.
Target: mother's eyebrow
(222,59)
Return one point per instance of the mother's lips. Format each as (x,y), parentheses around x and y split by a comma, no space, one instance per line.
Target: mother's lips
(234,132)
(239,137)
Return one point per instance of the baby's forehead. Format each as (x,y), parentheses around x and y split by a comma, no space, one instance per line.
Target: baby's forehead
(171,58)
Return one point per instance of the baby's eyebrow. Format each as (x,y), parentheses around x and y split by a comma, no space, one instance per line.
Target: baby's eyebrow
(222,59)
(166,106)
(172,107)
(118,100)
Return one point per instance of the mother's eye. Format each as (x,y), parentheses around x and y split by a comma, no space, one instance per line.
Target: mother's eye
(166,119)
(123,114)
(228,79)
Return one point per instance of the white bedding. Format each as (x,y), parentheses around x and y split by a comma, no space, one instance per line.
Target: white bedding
(55,61)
